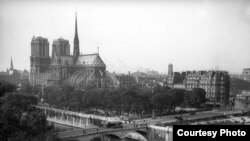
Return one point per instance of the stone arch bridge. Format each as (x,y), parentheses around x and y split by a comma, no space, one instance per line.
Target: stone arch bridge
(139,133)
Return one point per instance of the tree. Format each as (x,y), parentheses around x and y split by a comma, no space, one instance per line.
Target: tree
(104,99)
(90,99)
(197,97)
(46,92)
(129,100)
(237,85)
(26,88)
(75,101)
(144,105)
(36,90)
(161,101)
(186,101)
(56,97)
(6,87)
(177,97)
(19,120)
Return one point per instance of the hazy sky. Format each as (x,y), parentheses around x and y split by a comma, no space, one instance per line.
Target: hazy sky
(134,35)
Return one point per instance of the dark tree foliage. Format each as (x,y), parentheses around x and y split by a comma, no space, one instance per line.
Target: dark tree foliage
(26,89)
(19,120)
(159,88)
(161,101)
(134,100)
(177,97)
(76,102)
(197,97)
(6,87)
(36,90)
(237,85)
(186,101)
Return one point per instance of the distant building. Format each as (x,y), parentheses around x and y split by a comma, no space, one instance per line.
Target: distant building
(152,72)
(145,80)
(78,70)
(125,81)
(179,86)
(170,70)
(117,81)
(242,101)
(238,76)
(175,79)
(170,81)
(246,74)
(11,75)
(24,76)
(148,80)
(215,83)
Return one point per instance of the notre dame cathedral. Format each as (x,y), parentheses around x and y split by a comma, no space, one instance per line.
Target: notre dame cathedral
(77,70)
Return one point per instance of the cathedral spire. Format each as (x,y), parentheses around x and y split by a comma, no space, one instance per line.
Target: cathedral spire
(76,42)
(98,50)
(11,64)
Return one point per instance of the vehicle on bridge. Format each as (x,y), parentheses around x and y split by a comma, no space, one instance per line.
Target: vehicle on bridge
(113,124)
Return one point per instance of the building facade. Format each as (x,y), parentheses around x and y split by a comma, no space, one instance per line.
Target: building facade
(170,70)
(149,80)
(215,83)
(242,101)
(246,74)
(62,68)
(125,81)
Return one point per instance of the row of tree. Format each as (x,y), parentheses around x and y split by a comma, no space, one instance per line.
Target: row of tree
(238,85)
(134,100)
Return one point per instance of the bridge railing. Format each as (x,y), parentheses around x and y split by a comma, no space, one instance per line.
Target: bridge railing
(71,113)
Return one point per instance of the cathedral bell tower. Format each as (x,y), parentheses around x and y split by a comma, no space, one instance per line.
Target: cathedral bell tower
(76,43)
(39,59)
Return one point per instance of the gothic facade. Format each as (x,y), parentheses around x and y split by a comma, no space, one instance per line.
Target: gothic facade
(77,70)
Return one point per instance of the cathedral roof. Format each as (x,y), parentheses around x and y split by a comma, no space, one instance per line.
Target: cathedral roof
(90,60)
(67,60)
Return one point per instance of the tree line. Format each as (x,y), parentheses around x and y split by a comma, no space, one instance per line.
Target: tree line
(135,100)
(238,85)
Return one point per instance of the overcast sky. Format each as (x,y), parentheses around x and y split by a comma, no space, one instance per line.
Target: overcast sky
(134,35)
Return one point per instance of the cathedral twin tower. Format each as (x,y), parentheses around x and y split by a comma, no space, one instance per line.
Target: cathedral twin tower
(80,71)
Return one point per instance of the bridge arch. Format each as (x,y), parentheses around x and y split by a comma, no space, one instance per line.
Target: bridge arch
(144,133)
(135,135)
(110,135)
(98,138)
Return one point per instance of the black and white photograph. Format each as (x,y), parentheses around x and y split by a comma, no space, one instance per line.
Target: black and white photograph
(124,70)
